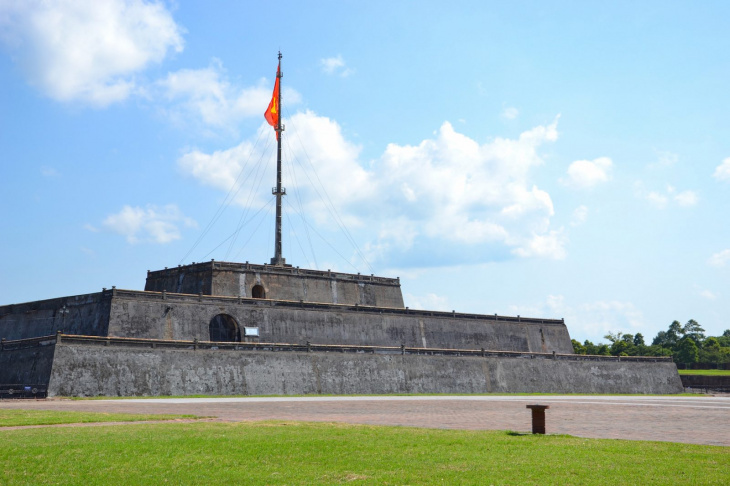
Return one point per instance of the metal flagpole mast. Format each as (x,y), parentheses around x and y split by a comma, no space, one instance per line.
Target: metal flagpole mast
(278,191)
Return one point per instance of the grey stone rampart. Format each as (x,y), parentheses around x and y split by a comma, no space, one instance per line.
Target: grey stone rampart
(280,283)
(91,370)
(27,363)
(80,314)
(184,317)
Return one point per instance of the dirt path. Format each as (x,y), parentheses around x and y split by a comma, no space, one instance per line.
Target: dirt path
(697,420)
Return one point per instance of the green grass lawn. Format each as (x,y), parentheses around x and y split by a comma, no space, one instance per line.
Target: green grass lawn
(306,453)
(10,418)
(705,372)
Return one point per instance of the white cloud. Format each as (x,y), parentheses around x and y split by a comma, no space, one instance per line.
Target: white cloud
(707,294)
(720,259)
(427,302)
(75,50)
(154,224)
(722,171)
(335,65)
(663,199)
(47,171)
(664,159)
(448,188)
(589,319)
(657,200)
(207,95)
(584,174)
(580,215)
(686,198)
(550,245)
(510,113)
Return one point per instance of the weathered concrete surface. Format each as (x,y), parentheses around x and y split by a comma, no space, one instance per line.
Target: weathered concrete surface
(27,365)
(80,314)
(86,370)
(281,283)
(185,317)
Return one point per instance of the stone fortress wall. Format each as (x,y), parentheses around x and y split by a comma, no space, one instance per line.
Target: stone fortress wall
(158,315)
(86,314)
(75,366)
(336,333)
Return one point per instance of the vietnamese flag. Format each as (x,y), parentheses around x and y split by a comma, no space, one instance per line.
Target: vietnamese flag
(272,112)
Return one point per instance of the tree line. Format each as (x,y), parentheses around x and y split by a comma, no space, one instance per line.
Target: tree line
(685,343)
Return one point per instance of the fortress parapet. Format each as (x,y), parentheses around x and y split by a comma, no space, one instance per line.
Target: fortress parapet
(279,282)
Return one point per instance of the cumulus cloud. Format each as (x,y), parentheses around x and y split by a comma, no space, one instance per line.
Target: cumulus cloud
(664,159)
(428,301)
(666,198)
(722,171)
(720,259)
(589,319)
(152,224)
(549,245)
(584,174)
(510,113)
(686,198)
(708,294)
(657,200)
(47,171)
(580,215)
(335,66)
(448,188)
(75,50)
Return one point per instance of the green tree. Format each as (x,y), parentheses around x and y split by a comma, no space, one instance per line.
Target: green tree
(694,331)
(603,350)
(710,351)
(661,339)
(620,348)
(674,333)
(578,348)
(724,340)
(639,339)
(687,351)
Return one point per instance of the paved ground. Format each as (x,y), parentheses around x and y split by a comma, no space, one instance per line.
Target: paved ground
(698,420)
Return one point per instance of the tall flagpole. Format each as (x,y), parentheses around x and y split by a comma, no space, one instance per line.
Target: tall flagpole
(278,191)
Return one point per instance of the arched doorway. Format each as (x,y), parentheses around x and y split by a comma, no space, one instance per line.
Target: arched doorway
(257,292)
(224,328)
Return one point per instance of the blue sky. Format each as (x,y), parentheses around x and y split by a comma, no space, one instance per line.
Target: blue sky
(551,159)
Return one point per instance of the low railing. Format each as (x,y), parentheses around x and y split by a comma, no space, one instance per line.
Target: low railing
(15,390)
(274,269)
(6,344)
(313,347)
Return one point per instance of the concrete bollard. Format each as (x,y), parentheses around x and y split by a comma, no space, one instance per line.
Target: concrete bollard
(538,418)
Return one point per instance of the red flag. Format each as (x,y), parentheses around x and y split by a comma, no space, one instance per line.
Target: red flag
(272,112)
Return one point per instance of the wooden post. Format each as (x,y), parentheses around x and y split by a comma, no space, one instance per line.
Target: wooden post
(538,418)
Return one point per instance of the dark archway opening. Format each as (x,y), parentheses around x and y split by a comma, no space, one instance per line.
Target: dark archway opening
(257,292)
(223,328)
